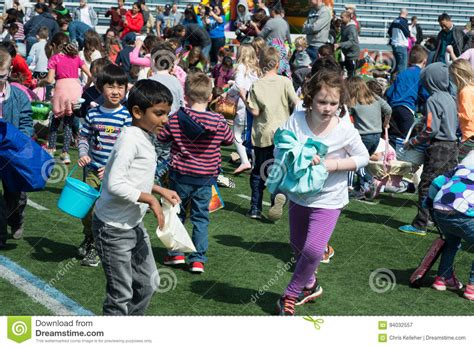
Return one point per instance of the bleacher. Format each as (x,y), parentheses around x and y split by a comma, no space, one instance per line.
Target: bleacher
(375,16)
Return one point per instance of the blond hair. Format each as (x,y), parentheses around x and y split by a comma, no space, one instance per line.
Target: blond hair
(301,42)
(259,44)
(247,56)
(461,71)
(198,87)
(359,92)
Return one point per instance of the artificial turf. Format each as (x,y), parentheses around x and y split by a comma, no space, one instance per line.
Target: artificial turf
(249,262)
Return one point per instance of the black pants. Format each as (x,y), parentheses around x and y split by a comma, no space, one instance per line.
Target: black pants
(12,207)
(263,161)
(350,66)
(440,157)
(217,44)
(400,122)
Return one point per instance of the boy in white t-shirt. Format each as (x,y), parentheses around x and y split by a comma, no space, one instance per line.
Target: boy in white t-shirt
(122,241)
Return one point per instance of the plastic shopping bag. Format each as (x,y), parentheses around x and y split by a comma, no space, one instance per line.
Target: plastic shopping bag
(174,235)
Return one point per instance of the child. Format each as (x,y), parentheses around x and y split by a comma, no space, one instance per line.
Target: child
(92,50)
(194,61)
(148,45)
(120,236)
(19,69)
(37,56)
(405,94)
(223,72)
(463,77)
(349,44)
(300,58)
(269,100)
(313,217)
(247,72)
(15,108)
(63,66)
(163,62)
(123,58)
(102,126)
(197,136)
(259,44)
(92,96)
(371,113)
(439,130)
(454,220)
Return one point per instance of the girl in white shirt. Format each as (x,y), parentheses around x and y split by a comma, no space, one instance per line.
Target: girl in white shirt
(313,217)
(247,72)
(93,50)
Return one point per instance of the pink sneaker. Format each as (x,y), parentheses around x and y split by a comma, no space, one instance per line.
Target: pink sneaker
(469,292)
(442,284)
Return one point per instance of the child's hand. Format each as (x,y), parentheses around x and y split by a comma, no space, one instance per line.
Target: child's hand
(171,196)
(316,160)
(407,145)
(158,212)
(100,173)
(84,161)
(138,43)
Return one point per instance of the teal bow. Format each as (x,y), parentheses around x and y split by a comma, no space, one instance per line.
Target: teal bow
(292,171)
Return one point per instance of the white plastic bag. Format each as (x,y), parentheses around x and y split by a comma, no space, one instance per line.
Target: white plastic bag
(174,235)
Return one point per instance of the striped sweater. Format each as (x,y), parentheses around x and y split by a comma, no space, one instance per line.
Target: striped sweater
(100,131)
(196,145)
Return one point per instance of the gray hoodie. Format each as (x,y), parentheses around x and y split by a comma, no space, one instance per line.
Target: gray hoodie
(246,17)
(317,25)
(441,111)
(350,41)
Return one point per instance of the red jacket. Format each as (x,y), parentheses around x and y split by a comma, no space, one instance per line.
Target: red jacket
(21,71)
(134,24)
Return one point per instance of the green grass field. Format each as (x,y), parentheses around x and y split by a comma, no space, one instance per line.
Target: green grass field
(245,257)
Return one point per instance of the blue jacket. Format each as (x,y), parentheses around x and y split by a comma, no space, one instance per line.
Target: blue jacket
(43,20)
(292,171)
(407,89)
(17,110)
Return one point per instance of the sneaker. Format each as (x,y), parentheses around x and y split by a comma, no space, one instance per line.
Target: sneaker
(17,233)
(276,210)
(51,152)
(412,230)
(196,267)
(91,259)
(442,284)
(84,247)
(65,158)
(308,295)
(224,181)
(286,305)
(328,254)
(469,292)
(254,214)
(174,260)
(374,189)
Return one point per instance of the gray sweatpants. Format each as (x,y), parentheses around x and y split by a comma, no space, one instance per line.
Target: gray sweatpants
(129,267)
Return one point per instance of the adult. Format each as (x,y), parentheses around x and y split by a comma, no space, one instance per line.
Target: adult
(261,5)
(76,30)
(170,18)
(86,14)
(196,36)
(257,22)
(450,35)
(349,44)
(316,27)
(276,27)
(415,30)
(117,14)
(133,20)
(215,24)
(42,19)
(243,14)
(351,8)
(189,17)
(399,32)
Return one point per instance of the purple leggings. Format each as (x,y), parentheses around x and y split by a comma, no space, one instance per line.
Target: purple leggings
(310,231)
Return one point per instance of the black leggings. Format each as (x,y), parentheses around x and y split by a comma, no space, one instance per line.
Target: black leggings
(217,44)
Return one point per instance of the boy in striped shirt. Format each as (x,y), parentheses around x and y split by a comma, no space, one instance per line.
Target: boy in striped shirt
(100,131)
(196,136)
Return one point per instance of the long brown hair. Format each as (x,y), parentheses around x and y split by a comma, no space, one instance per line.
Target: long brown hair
(359,92)
(92,42)
(60,43)
(320,80)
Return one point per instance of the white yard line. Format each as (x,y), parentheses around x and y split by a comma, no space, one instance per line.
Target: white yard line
(249,198)
(36,205)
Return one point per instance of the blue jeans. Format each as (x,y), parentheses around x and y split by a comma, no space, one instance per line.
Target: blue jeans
(206,51)
(371,141)
(455,227)
(313,52)
(262,162)
(400,54)
(199,197)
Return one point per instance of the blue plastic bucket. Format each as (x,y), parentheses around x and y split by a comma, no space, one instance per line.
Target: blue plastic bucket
(77,198)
